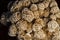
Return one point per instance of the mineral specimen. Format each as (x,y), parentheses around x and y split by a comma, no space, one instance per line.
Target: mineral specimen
(34,20)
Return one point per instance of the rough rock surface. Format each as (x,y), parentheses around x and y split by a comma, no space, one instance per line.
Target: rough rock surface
(34,20)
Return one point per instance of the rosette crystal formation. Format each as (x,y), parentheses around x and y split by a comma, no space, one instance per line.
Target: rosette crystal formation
(34,20)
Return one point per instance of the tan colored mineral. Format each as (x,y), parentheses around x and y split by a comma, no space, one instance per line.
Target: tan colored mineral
(15,17)
(22,25)
(33,20)
(54,10)
(34,7)
(27,15)
(12,30)
(52,25)
(36,14)
(40,34)
(26,2)
(34,1)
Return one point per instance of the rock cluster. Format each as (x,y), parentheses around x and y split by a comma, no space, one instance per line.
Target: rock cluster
(34,20)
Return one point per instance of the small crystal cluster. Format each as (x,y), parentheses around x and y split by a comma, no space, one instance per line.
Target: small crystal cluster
(34,20)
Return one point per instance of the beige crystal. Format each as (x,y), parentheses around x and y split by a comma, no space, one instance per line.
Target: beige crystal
(27,14)
(52,25)
(33,20)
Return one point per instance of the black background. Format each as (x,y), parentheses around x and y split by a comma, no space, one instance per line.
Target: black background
(3,28)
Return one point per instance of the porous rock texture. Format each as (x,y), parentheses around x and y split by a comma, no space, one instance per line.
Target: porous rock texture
(34,20)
